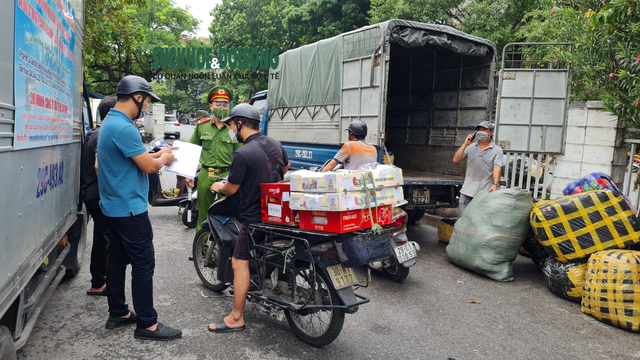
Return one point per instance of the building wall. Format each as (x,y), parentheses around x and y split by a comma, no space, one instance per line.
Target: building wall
(594,143)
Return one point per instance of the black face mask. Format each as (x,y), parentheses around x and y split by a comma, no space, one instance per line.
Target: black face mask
(139,104)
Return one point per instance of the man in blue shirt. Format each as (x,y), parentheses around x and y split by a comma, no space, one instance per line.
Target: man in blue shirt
(123,164)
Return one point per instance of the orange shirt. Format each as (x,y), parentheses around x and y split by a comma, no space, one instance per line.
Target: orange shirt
(354,154)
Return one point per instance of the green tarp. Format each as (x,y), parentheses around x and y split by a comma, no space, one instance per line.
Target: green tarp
(310,75)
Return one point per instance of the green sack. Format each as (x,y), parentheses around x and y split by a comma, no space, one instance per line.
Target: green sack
(490,232)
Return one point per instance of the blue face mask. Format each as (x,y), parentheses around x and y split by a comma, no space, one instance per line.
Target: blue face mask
(482,136)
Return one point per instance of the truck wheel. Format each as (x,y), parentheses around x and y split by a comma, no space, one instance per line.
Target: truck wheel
(77,239)
(415,215)
(7,347)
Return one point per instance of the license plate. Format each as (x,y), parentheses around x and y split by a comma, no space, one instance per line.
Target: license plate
(342,277)
(405,252)
(420,196)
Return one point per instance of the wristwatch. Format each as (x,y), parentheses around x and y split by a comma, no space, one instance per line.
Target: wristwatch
(496,184)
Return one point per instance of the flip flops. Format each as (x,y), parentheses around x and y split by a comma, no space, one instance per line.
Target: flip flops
(97,293)
(221,327)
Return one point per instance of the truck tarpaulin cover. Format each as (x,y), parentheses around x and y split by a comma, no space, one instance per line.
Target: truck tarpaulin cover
(316,67)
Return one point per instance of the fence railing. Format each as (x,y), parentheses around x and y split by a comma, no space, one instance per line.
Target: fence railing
(633,164)
(529,171)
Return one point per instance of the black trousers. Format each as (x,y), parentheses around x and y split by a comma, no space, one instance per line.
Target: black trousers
(100,248)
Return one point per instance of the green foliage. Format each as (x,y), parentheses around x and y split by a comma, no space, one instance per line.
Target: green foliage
(447,12)
(121,33)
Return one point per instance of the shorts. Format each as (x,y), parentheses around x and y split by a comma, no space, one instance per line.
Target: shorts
(245,242)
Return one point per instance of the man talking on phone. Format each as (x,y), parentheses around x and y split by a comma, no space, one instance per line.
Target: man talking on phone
(484,164)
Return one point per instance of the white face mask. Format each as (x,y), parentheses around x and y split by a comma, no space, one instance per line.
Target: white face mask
(233,136)
(481,136)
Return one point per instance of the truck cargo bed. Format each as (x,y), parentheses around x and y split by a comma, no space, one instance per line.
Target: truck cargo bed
(412,177)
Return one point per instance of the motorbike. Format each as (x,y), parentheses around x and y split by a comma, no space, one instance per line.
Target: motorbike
(404,256)
(186,203)
(294,272)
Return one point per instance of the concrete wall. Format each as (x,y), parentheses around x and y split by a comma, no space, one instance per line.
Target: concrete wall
(594,143)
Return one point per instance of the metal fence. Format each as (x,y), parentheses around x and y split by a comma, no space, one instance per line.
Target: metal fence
(633,165)
(530,171)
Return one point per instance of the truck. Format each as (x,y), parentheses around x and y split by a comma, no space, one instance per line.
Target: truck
(44,113)
(420,88)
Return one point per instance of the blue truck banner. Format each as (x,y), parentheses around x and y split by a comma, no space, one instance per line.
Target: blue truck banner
(44,42)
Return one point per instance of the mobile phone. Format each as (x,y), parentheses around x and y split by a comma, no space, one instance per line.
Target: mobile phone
(474,135)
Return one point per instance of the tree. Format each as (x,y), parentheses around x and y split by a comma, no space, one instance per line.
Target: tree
(445,12)
(121,33)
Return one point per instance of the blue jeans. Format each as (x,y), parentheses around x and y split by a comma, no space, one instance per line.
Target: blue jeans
(131,242)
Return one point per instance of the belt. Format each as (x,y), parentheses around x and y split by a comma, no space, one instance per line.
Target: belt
(217,170)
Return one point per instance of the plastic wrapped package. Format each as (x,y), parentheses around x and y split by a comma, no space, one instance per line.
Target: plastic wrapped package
(534,250)
(341,201)
(488,235)
(576,226)
(594,181)
(445,229)
(611,290)
(345,180)
(564,279)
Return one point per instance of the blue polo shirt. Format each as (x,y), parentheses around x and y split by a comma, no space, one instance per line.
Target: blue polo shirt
(123,186)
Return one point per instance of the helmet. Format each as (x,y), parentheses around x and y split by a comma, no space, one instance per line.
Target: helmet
(131,84)
(157,144)
(243,110)
(219,92)
(358,128)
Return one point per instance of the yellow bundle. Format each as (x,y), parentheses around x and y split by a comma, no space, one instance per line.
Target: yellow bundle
(445,229)
(611,290)
(576,226)
(564,279)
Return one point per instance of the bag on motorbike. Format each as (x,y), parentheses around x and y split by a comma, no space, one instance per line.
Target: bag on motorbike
(564,280)
(490,232)
(574,227)
(360,248)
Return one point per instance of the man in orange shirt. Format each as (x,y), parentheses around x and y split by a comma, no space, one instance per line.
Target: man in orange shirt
(356,152)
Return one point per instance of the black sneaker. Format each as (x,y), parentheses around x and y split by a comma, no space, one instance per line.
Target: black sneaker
(116,322)
(162,333)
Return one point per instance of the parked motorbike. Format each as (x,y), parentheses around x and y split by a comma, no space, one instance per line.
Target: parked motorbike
(156,197)
(293,272)
(397,267)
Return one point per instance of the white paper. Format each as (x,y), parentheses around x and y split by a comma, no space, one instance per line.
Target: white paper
(274,210)
(285,196)
(187,158)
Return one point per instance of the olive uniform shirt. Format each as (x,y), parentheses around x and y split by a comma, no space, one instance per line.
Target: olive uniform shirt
(217,146)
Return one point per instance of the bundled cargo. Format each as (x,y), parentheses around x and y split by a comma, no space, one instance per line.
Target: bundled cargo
(276,209)
(341,222)
(488,235)
(564,279)
(445,229)
(345,180)
(534,250)
(341,201)
(574,227)
(594,181)
(611,291)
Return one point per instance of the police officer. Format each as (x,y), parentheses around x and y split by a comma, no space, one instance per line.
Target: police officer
(217,148)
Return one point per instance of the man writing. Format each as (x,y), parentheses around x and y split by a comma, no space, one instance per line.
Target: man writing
(484,164)
(261,160)
(217,148)
(123,164)
(356,152)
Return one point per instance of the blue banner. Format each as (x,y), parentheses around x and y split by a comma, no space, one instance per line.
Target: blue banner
(43,73)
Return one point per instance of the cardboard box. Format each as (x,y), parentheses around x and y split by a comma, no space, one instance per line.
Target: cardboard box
(351,200)
(275,204)
(345,180)
(341,222)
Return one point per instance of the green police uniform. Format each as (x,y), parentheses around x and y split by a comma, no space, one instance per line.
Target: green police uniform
(217,151)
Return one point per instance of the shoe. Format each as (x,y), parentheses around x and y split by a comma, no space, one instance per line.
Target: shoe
(162,333)
(116,322)
(221,327)
(97,293)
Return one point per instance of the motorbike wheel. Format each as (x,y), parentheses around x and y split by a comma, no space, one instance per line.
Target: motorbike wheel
(395,271)
(194,215)
(415,215)
(313,326)
(208,275)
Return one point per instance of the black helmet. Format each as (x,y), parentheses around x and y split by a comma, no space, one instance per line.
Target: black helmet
(358,128)
(243,110)
(132,84)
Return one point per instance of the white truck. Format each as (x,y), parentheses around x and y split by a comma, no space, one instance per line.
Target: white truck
(420,88)
(42,109)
